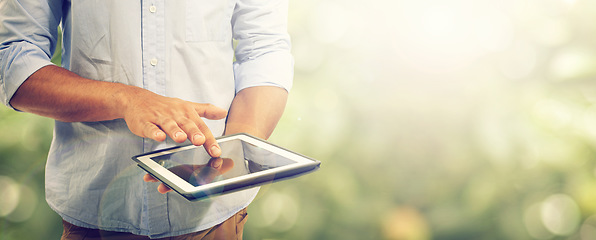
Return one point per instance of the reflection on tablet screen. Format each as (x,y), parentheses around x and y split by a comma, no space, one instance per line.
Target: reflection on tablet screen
(238,158)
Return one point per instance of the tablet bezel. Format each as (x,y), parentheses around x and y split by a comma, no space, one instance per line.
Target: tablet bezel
(301,165)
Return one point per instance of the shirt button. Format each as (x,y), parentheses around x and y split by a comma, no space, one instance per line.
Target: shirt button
(152,9)
(153,61)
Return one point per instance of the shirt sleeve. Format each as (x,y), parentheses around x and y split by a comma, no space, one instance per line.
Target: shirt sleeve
(263,55)
(28,36)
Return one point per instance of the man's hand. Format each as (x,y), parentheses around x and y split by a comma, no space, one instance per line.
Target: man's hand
(153,116)
(62,95)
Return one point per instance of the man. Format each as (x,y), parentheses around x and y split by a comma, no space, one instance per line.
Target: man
(138,76)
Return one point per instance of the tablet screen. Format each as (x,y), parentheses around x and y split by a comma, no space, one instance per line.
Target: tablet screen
(238,158)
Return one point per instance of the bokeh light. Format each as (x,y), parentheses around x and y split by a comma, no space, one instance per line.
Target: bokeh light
(588,228)
(405,223)
(560,214)
(9,196)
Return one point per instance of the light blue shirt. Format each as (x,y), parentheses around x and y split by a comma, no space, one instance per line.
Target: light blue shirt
(177,48)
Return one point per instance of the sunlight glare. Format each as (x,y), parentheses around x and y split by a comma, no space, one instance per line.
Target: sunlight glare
(519,60)
(494,31)
(329,22)
(438,22)
(573,63)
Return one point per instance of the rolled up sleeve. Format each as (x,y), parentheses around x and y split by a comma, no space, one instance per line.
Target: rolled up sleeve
(28,37)
(263,55)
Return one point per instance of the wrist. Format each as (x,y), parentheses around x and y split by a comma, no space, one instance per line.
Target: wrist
(122,99)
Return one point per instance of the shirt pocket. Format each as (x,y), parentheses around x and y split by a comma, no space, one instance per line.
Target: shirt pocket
(206,20)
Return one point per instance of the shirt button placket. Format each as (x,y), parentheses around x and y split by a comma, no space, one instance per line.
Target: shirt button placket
(153,9)
(157,216)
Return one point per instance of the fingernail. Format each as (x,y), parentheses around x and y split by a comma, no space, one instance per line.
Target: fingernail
(178,135)
(215,150)
(198,137)
(217,163)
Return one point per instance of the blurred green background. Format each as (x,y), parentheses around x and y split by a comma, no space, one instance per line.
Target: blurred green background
(434,119)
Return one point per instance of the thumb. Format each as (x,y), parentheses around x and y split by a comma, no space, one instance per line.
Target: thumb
(210,111)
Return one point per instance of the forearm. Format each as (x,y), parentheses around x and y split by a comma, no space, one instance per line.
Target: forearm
(256,111)
(60,94)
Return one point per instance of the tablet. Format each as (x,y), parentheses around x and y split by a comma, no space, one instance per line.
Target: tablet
(245,162)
